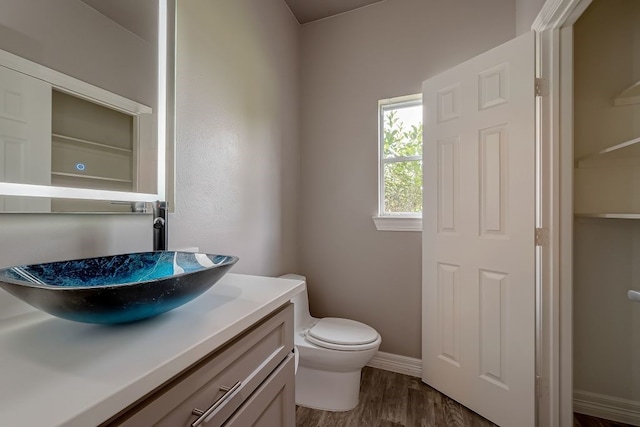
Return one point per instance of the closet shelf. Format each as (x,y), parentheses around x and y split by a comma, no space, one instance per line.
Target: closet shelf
(96,178)
(609,215)
(611,149)
(91,143)
(629,96)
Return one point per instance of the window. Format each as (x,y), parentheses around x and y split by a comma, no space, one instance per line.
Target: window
(400,163)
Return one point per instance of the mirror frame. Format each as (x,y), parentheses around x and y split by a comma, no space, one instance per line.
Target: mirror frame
(165,131)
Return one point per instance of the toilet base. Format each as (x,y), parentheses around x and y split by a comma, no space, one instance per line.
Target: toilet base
(327,391)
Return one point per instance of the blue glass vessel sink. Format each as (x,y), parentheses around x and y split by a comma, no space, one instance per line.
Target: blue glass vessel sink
(116,289)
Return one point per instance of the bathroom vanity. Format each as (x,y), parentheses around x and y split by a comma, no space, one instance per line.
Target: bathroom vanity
(223,359)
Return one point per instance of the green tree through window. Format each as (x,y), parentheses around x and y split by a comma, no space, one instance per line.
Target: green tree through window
(402,158)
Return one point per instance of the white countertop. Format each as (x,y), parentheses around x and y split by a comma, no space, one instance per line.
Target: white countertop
(55,372)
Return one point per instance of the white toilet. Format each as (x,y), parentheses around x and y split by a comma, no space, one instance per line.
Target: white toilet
(332,352)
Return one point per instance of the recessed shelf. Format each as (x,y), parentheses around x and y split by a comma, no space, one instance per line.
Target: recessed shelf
(97,178)
(629,96)
(91,143)
(609,215)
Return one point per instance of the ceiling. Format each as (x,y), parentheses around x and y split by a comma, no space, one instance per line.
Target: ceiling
(312,10)
(138,16)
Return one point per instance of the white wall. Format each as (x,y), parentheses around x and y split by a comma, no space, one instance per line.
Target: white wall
(237,132)
(348,63)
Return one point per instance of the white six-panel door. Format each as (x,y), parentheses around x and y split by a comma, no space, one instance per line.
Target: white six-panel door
(478,233)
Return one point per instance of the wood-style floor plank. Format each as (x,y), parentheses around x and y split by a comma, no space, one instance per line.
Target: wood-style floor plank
(581,420)
(395,398)
(384,423)
(309,417)
(388,399)
(419,409)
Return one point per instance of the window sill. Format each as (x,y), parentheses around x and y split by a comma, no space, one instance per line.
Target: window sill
(398,223)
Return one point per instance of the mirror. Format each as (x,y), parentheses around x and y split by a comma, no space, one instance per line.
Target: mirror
(102,67)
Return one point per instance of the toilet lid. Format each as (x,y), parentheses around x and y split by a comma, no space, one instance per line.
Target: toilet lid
(342,332)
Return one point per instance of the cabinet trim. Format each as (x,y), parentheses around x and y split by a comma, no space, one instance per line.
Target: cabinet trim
(72,86)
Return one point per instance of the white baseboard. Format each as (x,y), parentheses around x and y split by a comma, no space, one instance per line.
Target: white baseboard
(395,363)
(607,407)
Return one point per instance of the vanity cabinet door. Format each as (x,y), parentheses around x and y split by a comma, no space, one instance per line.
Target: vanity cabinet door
(273,404)
(221,383)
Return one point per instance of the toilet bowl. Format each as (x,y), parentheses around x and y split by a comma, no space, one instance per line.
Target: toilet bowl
(332,353)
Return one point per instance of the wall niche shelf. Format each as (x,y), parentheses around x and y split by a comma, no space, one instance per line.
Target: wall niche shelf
(629,96)
(92,146)
(90,143)
(97,178)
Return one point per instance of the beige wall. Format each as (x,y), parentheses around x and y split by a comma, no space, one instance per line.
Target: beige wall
(237,151)
(36,238)
(237,132)
(526,13)
(71,37)
(606,331)
(48,33)
(348,63)
(606,325)
(239,189)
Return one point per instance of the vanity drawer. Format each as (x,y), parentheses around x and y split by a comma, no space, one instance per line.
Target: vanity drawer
(273,404)
(222,381)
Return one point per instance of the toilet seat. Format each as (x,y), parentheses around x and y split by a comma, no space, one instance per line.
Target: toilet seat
(342,334)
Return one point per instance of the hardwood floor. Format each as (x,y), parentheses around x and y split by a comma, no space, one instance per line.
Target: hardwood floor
(580,420)
(388,399)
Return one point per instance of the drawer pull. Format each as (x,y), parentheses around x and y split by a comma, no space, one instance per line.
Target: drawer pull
(202,415)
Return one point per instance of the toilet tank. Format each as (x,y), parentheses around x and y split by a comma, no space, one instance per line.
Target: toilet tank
(301,315)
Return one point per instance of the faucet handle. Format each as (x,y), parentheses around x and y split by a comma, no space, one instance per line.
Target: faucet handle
(158,223)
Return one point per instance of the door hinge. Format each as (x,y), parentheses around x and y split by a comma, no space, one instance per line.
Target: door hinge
(542,388)
(541,88)
(542,237)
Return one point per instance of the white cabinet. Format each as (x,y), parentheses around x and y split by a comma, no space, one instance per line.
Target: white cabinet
(250,381)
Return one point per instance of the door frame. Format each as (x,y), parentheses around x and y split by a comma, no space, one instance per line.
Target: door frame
(554,181)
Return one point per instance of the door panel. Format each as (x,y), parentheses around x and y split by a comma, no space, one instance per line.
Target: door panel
(25,138)
(478,233)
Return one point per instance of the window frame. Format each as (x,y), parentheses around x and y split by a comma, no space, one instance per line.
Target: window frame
(389,221)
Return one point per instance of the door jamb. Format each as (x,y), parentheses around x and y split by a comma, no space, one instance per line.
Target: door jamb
(554,147)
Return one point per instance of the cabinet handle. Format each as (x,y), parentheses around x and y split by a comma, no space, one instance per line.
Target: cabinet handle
(202,415)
